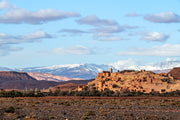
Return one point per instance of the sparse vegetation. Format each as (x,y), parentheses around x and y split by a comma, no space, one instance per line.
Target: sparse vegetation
(10,109)
(92,92)
(91,109)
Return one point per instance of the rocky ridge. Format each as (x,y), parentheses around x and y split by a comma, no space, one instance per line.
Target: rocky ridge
(175,72)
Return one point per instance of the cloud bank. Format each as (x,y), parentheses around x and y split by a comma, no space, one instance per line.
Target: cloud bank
(73,31)
(167,50)
(33,37)
(19,16)
(164,17)
(111,38)
(155,36)
(74,50)
(133,14)
(95,21)
(4,4)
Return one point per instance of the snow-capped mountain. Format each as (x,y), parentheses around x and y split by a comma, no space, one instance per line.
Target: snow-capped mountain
(5,69)
(130,64)
(125,65)
(89,71)
(84,71)
(168,64)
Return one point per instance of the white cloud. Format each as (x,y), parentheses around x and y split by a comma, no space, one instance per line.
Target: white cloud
(18,16)
(95,21)
(74,50)
(106,33)
(111,38)
(36,35)
(133,14)
(9,39)
(74,31)
(4,4)
(108,29)
(164,50)
(129,27)
(155,36)
(165,17)
(101,34)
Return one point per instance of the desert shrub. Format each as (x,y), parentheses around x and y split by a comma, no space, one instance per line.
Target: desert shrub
(10,109)
(90,113)
(84,117)
(107,92)
(51,117)
(1,113)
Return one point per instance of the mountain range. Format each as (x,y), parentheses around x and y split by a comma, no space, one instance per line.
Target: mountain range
(89,71)
(23,80)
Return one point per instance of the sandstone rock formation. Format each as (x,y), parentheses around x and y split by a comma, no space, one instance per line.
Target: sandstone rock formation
(143,81)
(175,72)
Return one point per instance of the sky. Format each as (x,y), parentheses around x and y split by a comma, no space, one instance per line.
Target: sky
(56,32)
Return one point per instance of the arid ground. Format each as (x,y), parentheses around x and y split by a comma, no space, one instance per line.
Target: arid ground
(91,108)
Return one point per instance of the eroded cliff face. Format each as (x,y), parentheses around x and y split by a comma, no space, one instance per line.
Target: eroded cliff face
(143,81)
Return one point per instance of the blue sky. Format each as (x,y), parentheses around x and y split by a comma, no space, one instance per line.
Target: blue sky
(45,32)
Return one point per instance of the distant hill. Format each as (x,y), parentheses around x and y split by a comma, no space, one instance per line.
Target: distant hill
(51,77)
(22,80)
(76,81)
(11,76)
(69,85)
(66,87)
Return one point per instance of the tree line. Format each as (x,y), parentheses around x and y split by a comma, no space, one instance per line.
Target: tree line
(93,92)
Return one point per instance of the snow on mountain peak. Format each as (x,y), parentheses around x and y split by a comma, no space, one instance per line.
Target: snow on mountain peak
(133,65)
(124,64)
(88,71)
(61,66)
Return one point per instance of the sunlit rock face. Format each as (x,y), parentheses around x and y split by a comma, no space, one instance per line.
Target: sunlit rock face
(143,81)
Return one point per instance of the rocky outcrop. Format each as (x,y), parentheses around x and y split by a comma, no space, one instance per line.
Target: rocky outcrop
(175,72)
(143,81)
